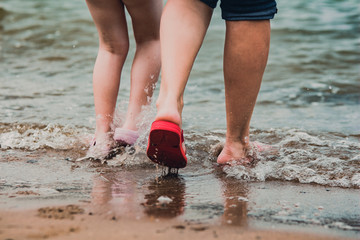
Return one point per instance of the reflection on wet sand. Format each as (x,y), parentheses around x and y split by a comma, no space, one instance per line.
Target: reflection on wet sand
(123,194)
(166,198)
(117,194)
(235,205)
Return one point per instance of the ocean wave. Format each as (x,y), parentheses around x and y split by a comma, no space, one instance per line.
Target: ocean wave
(330,159)
(37,136)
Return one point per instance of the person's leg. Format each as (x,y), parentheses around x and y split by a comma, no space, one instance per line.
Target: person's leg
(182,30)
(245,58)
(109,18)
(145,69)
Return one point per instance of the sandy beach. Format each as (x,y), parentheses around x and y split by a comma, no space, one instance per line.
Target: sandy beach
(31,224)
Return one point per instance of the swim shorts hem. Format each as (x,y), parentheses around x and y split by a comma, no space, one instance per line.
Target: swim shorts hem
(237,10)
(263,15)
(249,19)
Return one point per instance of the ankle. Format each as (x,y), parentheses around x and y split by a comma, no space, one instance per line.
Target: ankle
(238,148)
(130,125)
(243,142)
(102,138)
(103,125)
(170,101)
(169,110)
(169,115)
(101,132)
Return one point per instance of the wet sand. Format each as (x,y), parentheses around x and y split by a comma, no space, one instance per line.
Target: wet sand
(45,194)
(30,225)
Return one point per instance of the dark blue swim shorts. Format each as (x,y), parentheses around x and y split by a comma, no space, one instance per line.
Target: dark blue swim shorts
(234,10)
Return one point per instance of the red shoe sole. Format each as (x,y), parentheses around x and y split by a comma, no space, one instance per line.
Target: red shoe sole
(165,145)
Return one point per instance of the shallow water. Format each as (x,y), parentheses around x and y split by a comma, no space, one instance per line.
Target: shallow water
(308,106)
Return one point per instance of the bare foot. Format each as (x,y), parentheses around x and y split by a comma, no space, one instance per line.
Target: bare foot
(236,153)
(263,148)
(233,153)
(101,146)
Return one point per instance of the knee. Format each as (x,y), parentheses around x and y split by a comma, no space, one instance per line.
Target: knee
(114,45)
(148,38)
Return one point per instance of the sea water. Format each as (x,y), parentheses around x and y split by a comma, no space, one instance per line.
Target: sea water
(308,107)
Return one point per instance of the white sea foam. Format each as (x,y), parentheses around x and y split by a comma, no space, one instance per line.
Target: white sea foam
(33,137)
(306,158)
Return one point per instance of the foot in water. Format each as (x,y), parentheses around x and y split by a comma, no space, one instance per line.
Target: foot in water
(237,154)
(101,148)
(125,137)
